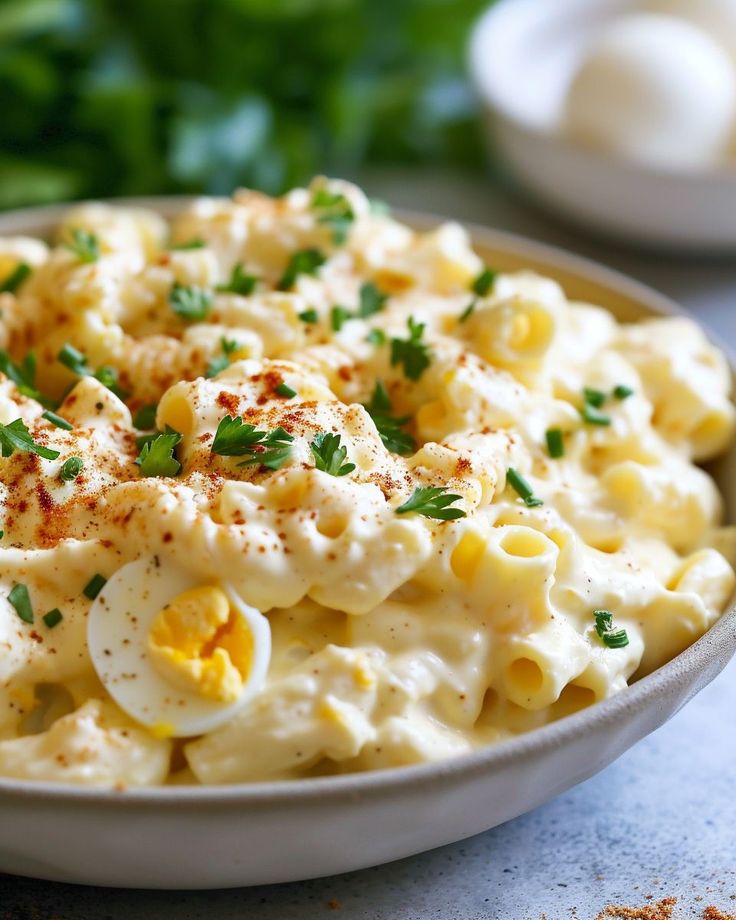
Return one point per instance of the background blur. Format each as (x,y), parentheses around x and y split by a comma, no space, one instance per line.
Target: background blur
(103,97)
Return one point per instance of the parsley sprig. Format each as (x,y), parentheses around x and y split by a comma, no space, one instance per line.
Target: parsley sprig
(235,438)
(432,502)
(191,302)
(389,426)
(302,262)
(240,282)
(228,346)
(76,362)
(613,638)
(16,436)
(14,280)
(157,455)
(336,213)
(412,353)
(84,245)
(329,455)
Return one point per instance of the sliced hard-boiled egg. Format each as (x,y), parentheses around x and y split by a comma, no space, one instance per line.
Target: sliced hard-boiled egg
(179,656)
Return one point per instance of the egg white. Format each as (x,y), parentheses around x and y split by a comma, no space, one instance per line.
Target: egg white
(117,635)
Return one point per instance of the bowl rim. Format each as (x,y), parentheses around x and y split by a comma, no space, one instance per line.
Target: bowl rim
(692,661)
(490,97)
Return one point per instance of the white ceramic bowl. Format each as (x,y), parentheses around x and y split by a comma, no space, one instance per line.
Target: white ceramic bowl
(179,837)
(523,54)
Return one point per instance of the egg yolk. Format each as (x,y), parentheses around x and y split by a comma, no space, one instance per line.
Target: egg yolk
(198,643)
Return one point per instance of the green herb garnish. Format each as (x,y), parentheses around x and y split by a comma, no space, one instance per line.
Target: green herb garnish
(592,416)
(84,245)
(522,488)
(14,280)
(70,469)
(555,443)
(157,455)
(145,417)
(329,456)
(484,282)
(613,638)
(21,600)
(432,502)
(376,337)
(594,398)
(189,301)
(338,317)
(57,420)
(468,311)
(372,301)
(76,362)
(16,436)
(283,389)
(302,262)
(338,214)
(239,283)
(94,586)
(412,353)
(229,346)
(53,617)
(309,316)
(234,438)
(195,243)
(23,376)
(388,425)
(622,391)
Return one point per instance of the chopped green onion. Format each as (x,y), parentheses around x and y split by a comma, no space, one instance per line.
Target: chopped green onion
(21,600)
(195,243)
(309,316)
(594,398)
(484,282)
(622,391)
(73,359)
(593,417)
(53,617)
(555,443)
(522,488)
(56,420)
(14,280)
(468,311)
(71,468)
(613,638)
(94,586)
(432,502)
(283,389)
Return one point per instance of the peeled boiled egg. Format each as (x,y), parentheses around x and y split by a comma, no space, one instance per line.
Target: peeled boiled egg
(655,89)
(179,656)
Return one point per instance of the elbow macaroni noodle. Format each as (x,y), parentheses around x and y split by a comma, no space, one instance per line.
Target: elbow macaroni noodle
(395,637)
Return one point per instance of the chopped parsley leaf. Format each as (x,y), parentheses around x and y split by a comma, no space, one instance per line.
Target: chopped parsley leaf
(157,455)
(84,245)
(302,262)
(337,213)
(189,301)
(145,417)
(239,283)
(376,337)
(338,317)
(412,353)
(483,283)
(329,455)
(16,436)
(432,502)
(234,438)
(372,301)
(388,425)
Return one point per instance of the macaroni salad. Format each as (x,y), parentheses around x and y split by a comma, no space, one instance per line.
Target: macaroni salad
(290,489)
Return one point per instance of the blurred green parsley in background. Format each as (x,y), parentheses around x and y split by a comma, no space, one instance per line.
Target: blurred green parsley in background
(121,97)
